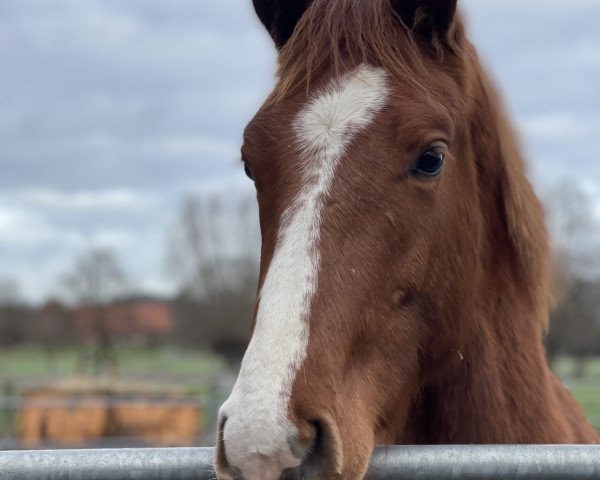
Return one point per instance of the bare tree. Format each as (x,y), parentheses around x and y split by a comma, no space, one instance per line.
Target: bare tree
(574,229)
(191,250)
(575,322)
(97,278)
(53,329)
(14,314)
(213,254)
(9,292)
(95,282)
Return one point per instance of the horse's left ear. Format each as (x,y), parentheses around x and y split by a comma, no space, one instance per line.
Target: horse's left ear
(430,18)
(280,17)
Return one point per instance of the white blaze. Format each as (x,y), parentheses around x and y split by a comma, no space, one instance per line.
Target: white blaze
(257,430)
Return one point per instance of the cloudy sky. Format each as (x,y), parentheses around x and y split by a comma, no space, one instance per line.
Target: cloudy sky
(111,111)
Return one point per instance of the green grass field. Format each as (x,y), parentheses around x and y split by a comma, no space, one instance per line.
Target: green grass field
(585,388)
(588,396)
(32,362)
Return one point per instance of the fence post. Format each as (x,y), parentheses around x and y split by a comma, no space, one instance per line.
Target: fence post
(8,402)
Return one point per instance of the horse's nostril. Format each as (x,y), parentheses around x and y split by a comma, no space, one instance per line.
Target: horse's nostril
(302,441)
(318,446)
(224,469)
(222,422)
(320,457)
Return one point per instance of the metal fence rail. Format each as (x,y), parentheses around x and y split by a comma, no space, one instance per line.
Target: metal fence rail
(479,462)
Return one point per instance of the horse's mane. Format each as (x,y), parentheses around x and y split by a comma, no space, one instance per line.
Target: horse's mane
(335,33)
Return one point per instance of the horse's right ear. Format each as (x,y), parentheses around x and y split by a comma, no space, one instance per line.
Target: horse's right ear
(428,18)
(280,17)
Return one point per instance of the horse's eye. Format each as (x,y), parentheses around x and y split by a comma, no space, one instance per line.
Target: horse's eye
(248,171)
(430,163)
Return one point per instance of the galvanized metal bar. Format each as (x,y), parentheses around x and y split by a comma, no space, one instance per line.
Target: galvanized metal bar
(468,462)
(486,462)
(109,464)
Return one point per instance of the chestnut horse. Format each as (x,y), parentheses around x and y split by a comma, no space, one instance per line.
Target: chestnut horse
(404,284)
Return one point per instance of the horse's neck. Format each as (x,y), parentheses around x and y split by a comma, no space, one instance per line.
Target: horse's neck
(498,390)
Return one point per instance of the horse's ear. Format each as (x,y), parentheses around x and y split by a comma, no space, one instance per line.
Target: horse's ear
(280,17)
(430,18)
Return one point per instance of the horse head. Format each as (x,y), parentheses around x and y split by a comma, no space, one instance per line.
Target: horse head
(397,225)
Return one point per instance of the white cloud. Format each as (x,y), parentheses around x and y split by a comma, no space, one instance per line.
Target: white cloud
(112,111)
(103,200)
(560,127)
(193,145)
(23,227)
(15,221)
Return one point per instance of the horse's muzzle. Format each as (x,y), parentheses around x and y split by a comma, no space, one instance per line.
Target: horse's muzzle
(315,461)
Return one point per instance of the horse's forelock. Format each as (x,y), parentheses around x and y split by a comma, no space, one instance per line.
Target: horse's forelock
(350,31)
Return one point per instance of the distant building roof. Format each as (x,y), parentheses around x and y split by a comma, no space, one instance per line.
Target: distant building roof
(137,316)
